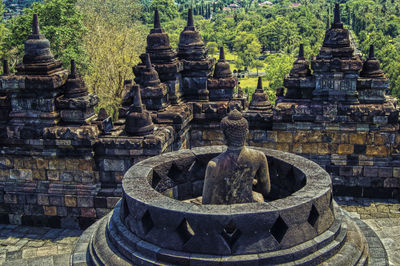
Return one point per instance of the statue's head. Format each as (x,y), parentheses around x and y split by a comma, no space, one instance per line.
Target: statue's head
(235,128)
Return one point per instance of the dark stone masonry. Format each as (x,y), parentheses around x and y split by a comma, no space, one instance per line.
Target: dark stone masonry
(62,165)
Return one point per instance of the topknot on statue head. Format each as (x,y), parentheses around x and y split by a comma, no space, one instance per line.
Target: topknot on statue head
(235,128)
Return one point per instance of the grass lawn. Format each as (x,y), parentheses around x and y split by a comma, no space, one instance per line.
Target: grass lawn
(232,57)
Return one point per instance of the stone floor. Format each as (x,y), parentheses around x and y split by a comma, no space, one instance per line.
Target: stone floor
(22,245)
(383,217)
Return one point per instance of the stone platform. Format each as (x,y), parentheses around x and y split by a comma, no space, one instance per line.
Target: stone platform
(301,225)
(24,245)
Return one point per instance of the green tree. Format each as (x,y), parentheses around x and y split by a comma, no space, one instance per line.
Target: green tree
(277,67)
(212,48)
(279,35)
(113,48)
(258,64)
(247,46)
(3,33)
(60,22)
(167,8)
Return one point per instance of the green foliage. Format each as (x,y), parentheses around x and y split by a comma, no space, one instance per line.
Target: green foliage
(3,33)
(279,34)
(377,22)
(212,48)
(59,21)
(278,66)
(247,46)
(167,9)
(113,47)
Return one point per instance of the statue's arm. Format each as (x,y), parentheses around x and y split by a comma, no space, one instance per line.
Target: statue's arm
(209,183)
(264,181)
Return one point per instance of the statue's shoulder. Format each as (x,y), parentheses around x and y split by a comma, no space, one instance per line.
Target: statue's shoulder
(213,162)
(256,156)
(257,153)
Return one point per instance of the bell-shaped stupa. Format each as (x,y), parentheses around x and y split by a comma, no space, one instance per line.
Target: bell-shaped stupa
(76,105)
(336,68)
(197,65)
(222,68)
(138,121)
(372,83)
(165,60)
(154,93)
(221,86)
(38,59)
(259,100)
(299,82)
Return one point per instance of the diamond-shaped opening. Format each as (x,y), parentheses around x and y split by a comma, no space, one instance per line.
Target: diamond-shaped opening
(313,217)
(279,229)
(125,209)
(231,233)
(185,231)
(155,180)
(147,222)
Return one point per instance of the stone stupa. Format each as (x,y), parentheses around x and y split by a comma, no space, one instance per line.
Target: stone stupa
(197,65)
(138,121)
(154,93)
(165,60)
(299,82)
(336,68)
(222,84)
(372,83)
(259,100)
(76,105)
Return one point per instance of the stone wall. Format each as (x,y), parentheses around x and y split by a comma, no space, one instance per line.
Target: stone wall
(72,182)
(72,176)
(362,162)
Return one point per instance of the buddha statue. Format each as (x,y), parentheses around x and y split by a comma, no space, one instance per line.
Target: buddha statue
(230,176)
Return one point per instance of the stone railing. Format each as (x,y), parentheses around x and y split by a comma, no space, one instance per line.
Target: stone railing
(224,229)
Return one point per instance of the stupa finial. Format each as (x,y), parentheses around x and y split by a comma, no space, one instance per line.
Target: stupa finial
(137,99)
(372,51)
(35,25)
(259,85)
(6,69)
(328,23)
(73,68)
(337,14)
(301,51)
(148,61)
(190,22)
(221,54)
(157,23)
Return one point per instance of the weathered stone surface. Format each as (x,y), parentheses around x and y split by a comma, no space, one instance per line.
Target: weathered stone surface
(138,120)
(153,92)
(299,82)
(197,65)
(336,55)
(229,176)
(259,100)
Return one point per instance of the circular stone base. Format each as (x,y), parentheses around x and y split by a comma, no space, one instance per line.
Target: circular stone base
(109,242)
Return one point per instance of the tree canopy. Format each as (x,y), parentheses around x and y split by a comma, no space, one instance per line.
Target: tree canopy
(59,21)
